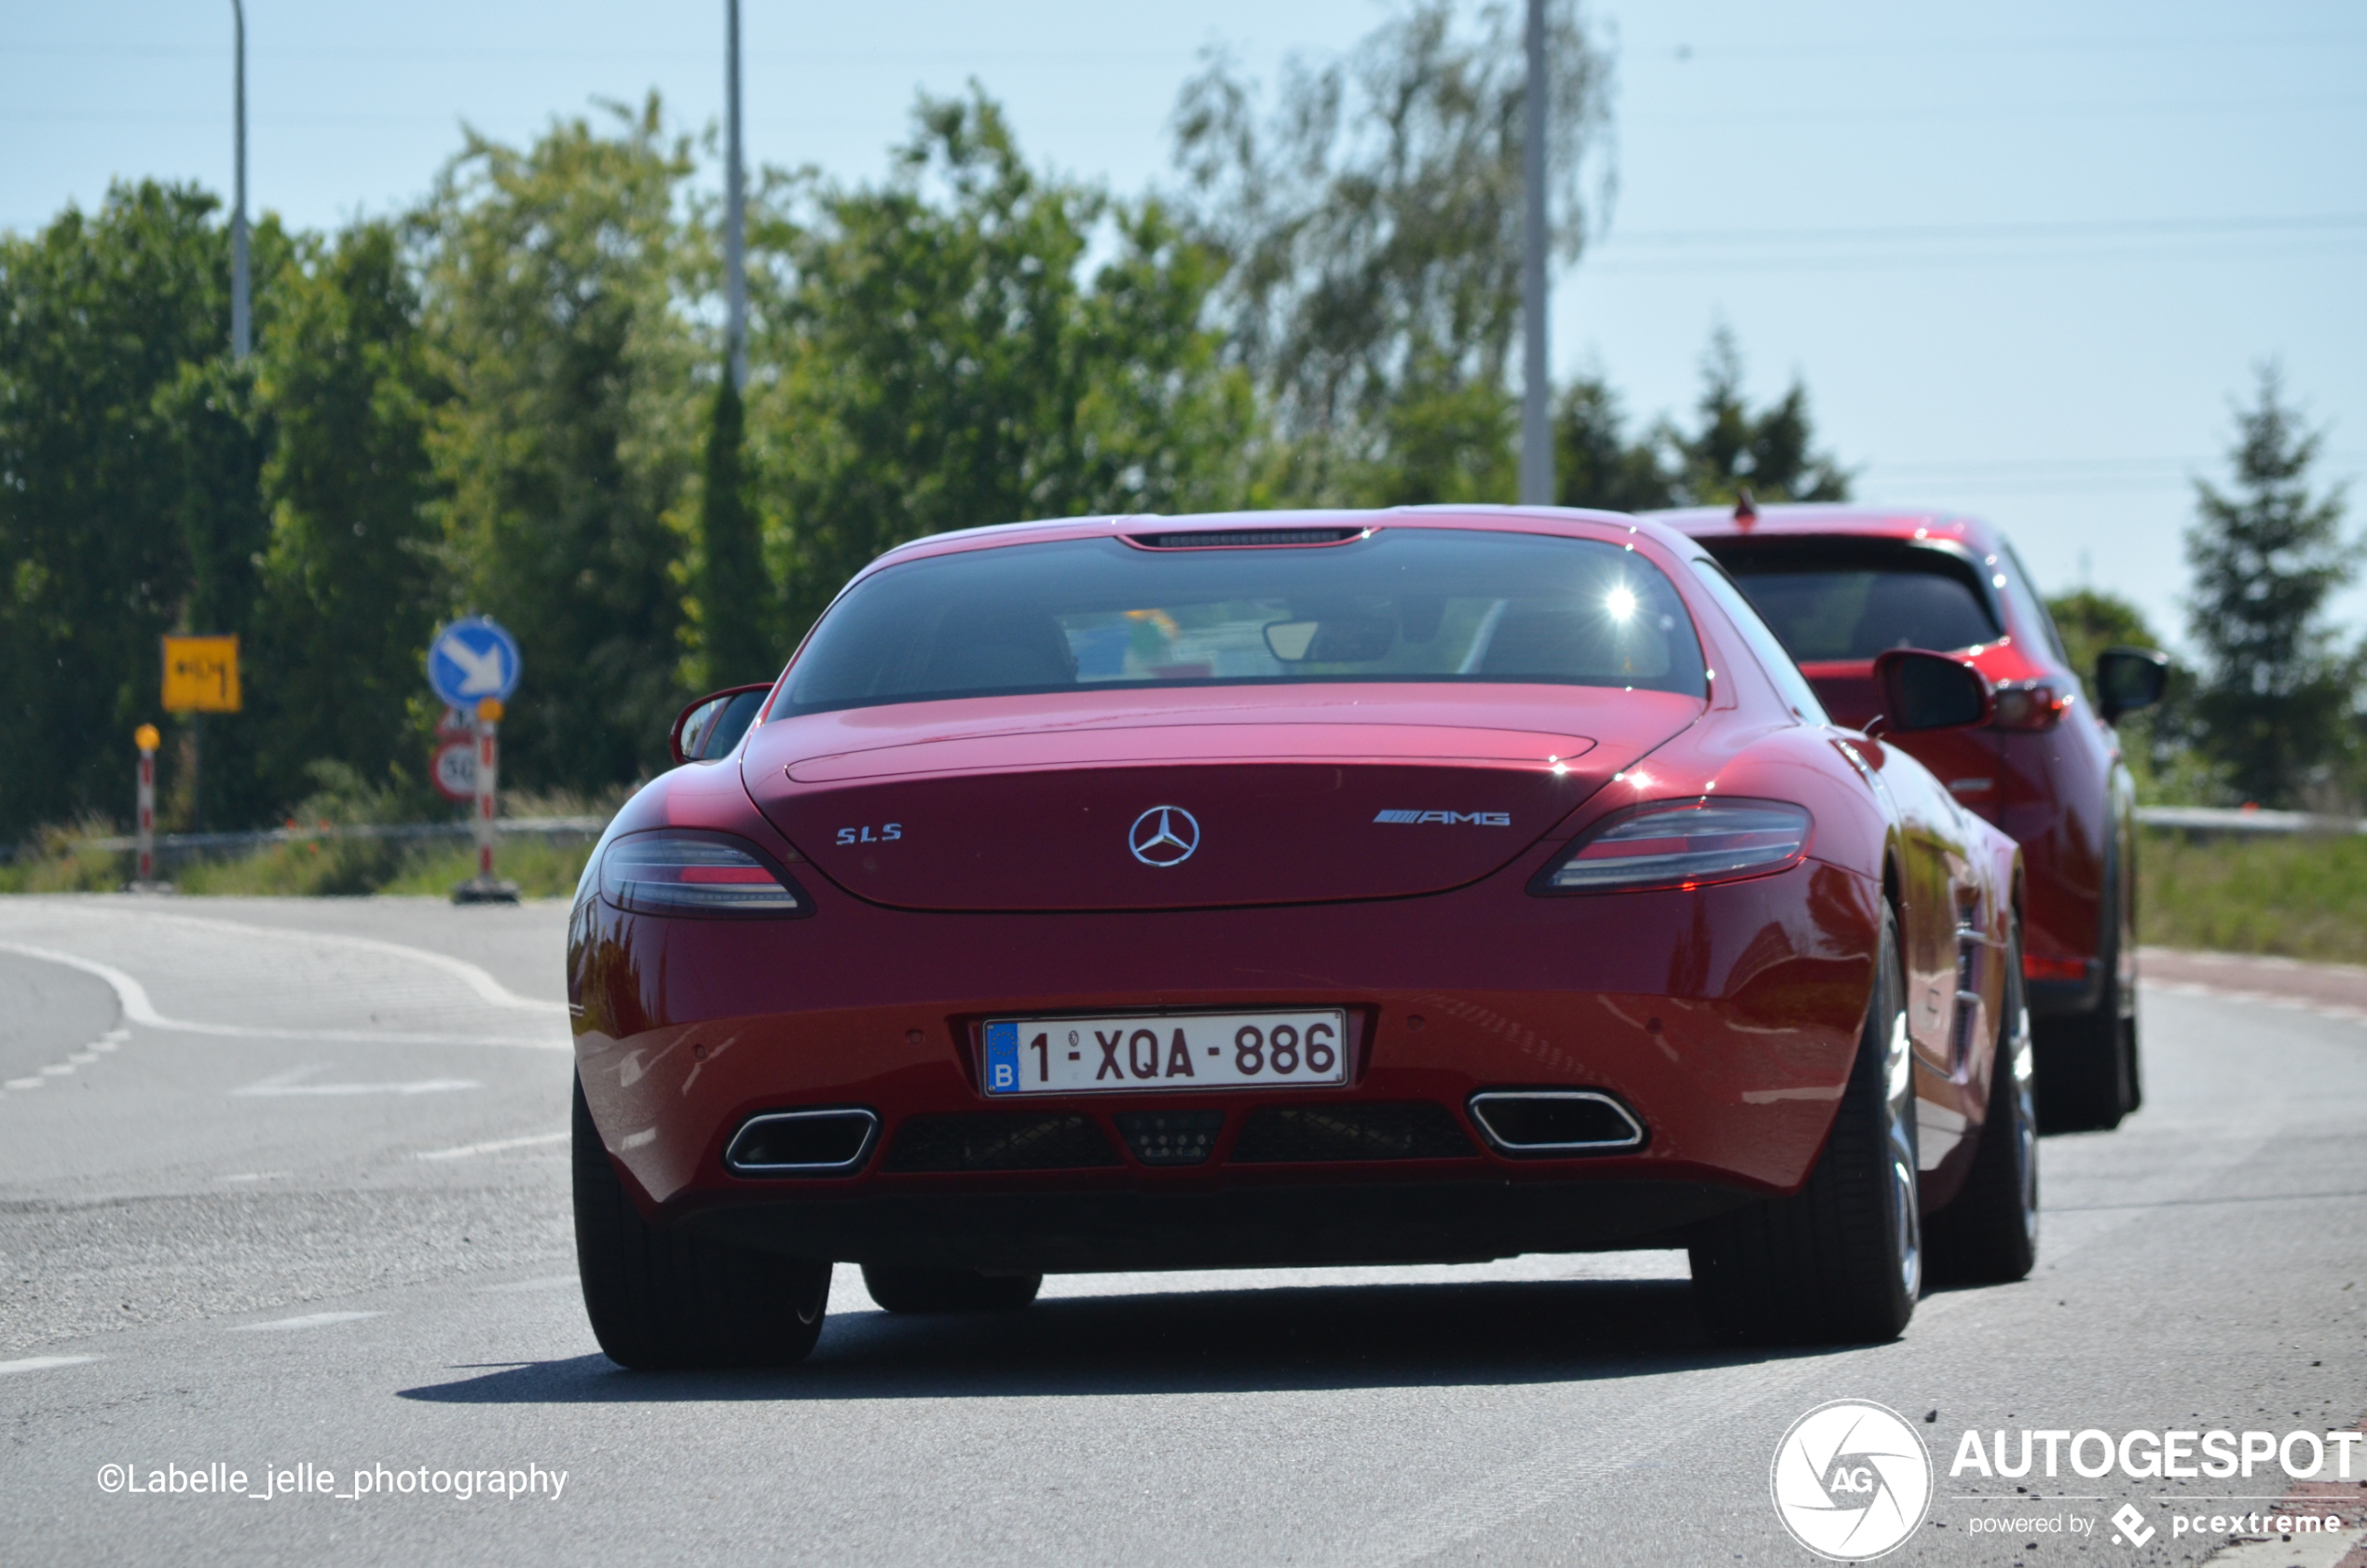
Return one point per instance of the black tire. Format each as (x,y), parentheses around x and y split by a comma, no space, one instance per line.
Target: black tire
(1840,1260)
(1988,1234)
(661,1299)
(914,1289)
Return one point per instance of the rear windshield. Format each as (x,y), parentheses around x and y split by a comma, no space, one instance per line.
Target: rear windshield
(1857,601)
(1402,604)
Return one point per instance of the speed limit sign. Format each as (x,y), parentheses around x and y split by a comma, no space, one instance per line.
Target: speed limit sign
(455,769)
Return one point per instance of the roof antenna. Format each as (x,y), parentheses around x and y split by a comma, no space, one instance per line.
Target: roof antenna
(1746,509)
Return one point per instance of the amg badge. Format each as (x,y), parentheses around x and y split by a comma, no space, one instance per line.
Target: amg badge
(1477,819)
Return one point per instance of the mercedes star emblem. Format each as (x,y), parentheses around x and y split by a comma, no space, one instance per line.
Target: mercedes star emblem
(1164,835)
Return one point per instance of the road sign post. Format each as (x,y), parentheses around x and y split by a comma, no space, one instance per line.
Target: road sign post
(146,739)
(473,666)
(200,677)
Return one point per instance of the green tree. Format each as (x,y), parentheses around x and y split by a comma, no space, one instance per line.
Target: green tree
(1769,452)
(2277,694)
(1595,464)
(736,606)
(117,426)
(353,579)
(941,357)
(1372,220)
(555,283)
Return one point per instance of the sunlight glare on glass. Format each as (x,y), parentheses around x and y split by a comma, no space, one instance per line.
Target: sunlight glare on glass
(1620,602)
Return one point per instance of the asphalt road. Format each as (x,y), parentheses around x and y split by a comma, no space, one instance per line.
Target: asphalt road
(283,1184)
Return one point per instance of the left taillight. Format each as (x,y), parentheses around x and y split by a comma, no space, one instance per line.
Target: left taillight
(690,871)
(1681,844)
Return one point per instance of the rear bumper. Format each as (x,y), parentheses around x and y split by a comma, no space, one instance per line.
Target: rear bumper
(1238,1227)
(1725,1018)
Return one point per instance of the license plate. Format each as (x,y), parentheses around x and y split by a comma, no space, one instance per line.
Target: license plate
(1165,1051)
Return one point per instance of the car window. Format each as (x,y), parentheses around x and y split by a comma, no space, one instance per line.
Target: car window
(1848,600)
(1401,603)
(1798,694)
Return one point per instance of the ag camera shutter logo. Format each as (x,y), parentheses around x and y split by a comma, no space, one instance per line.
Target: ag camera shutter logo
(1850,1480)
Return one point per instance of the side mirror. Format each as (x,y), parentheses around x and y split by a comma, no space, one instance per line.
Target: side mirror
(2128,680)
(713,725)
(1930,691)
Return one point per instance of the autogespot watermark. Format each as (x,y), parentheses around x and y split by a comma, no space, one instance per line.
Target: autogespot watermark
(1850,1480)
(273,1482)
(2216,1455)
(1853,1480)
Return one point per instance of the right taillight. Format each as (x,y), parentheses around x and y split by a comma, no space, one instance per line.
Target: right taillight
(690,871)
(2031,704)
(1681,844)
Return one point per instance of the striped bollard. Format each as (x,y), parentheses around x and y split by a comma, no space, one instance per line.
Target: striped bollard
(485,887)
(488,773)
(146,739)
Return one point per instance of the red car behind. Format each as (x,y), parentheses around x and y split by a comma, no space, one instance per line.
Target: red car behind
(1842,584)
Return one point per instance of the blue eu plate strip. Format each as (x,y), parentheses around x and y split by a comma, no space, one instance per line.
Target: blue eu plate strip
(1002,1058)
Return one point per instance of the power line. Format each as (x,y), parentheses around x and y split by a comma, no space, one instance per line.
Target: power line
(2184,108)
(2074,228)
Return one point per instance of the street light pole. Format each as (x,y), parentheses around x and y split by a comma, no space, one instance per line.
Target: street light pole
(239,298)
(1537,427)
(735,281)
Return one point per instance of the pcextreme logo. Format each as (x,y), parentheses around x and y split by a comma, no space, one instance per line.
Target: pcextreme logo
(1850,1480)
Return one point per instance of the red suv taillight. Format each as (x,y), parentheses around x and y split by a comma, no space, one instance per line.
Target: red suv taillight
(693,871)
(1681,844)
(2031,704)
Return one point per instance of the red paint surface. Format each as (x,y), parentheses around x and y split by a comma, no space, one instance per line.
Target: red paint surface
(1726,1015)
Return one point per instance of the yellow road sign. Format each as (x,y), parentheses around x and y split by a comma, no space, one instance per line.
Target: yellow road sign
(201,675)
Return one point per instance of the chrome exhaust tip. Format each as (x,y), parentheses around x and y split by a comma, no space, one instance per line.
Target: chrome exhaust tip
(1555,1121)
(802,1142)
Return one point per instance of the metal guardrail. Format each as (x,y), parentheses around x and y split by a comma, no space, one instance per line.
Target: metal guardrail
(181,848)
(2244,819)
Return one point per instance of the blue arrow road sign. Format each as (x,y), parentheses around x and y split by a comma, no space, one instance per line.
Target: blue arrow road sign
(472,660)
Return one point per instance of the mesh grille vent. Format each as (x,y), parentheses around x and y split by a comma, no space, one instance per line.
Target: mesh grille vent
(1399,1130)
(1000,1142)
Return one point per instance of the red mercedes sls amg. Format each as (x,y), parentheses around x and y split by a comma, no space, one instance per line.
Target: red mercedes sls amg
(1436,884)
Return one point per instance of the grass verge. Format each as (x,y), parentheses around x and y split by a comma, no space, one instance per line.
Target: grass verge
(317,868)
(2302,896)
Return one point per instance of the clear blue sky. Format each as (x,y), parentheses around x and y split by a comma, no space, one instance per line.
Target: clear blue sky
(2022,254)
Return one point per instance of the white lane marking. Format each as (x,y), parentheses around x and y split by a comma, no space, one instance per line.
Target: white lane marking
(290,1082)
(42,1363)
(56,1070)
(133,999)
(254,1176)
(480,981)
(309,1320)
(550,1282)
(84,1058)
(494,1147)
(26,1082)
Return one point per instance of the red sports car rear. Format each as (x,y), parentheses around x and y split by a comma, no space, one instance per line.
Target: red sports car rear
(1281,890)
